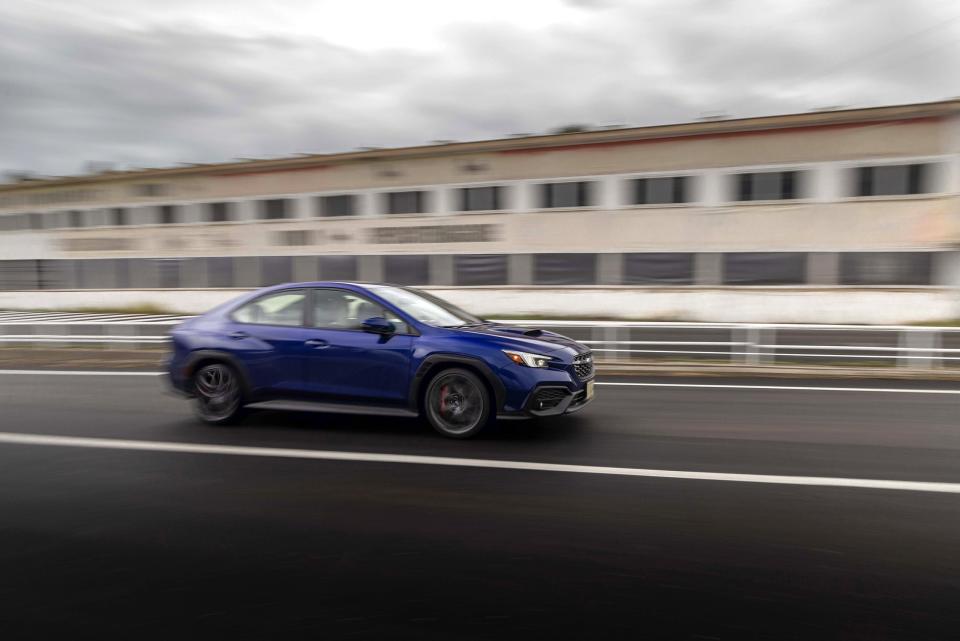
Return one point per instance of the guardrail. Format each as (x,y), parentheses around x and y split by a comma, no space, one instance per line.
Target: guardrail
(745,343)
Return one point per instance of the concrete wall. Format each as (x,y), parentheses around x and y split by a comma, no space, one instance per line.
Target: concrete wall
(751,304)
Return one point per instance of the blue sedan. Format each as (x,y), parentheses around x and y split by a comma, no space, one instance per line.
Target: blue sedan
(374,349)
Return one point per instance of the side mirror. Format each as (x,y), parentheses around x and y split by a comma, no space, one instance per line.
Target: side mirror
(378,325)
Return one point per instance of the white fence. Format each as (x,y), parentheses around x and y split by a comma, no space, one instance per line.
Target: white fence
(912,347)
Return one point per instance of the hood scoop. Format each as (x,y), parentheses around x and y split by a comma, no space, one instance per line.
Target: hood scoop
(532,333)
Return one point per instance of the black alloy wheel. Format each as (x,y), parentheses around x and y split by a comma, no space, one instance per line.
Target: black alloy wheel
(218,394)
(457,403)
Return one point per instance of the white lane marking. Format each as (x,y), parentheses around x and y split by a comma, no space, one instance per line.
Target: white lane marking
(809,388)
(368,457)
(68,372)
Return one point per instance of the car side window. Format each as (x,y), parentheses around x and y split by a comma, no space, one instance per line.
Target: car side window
(341,309)
(282,308)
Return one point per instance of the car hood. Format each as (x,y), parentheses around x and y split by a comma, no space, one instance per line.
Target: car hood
(530,339)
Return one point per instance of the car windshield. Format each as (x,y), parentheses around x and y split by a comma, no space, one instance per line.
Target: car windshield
(425,307)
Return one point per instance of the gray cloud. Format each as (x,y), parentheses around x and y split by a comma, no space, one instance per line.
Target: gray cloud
(142,92)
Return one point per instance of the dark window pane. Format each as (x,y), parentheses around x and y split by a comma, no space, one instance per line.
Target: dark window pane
(275,270)
(745,187)
(640,191)
(480,199)
(657,268)
(168,214)
(764,268)
(168,270)
(565,269)
(893,180)
(341,205)
(680,189)
(76,218)
(886,268)
(864,181)
(915,179)
(768,185)
(406,202)
(121,272)
(407,270)
(220,272)
(659,191)
(53,274)
(19,275)
(342,268)
(218,212)
(480,269)
(275,209)
(566,194)
(118,216)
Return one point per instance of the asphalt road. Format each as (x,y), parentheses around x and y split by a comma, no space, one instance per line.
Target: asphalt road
(160,544)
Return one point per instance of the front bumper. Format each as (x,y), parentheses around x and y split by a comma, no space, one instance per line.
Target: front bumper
(553,400)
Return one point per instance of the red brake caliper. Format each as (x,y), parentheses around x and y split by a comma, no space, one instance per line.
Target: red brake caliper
(443,398)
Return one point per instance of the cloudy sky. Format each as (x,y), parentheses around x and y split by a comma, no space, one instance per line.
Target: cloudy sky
(145,83)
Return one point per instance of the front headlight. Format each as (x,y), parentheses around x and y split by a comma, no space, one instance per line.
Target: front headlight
(527,359)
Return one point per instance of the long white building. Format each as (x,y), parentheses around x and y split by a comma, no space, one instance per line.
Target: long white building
(830,216)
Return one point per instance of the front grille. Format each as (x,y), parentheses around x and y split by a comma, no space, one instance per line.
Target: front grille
(583,365)
(548,398)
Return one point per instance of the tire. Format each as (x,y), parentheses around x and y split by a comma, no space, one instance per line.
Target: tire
(218,393)
(457,403)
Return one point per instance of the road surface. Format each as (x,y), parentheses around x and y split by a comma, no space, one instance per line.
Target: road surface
(195,531)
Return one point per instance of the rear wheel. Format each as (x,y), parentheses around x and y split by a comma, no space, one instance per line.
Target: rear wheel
(457,403)
(217,393)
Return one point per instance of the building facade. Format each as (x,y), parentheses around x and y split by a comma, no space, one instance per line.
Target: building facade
(830,216)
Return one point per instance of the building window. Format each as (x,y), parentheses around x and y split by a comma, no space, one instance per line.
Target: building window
(566,194)
(406,202)
(275,270)
(893,180)
(768,185)
(168,214)
(407,270)
(480,269)
(338,267)
(565,269)
(660,191)
(274,209)
(118,216)
(75,218)
(339,205)
(481,198)
(886,268)
(764,268)
(218,212)
(657,268)
(220,272)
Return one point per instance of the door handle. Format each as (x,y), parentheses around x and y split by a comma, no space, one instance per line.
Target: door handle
(238,335)
(317,343)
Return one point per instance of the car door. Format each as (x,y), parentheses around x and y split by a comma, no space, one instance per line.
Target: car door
(349,363)
(268,335)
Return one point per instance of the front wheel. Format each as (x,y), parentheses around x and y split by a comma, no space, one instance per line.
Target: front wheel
(217,393)
(457,403)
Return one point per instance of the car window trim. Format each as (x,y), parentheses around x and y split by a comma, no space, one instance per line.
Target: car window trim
(303,314)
